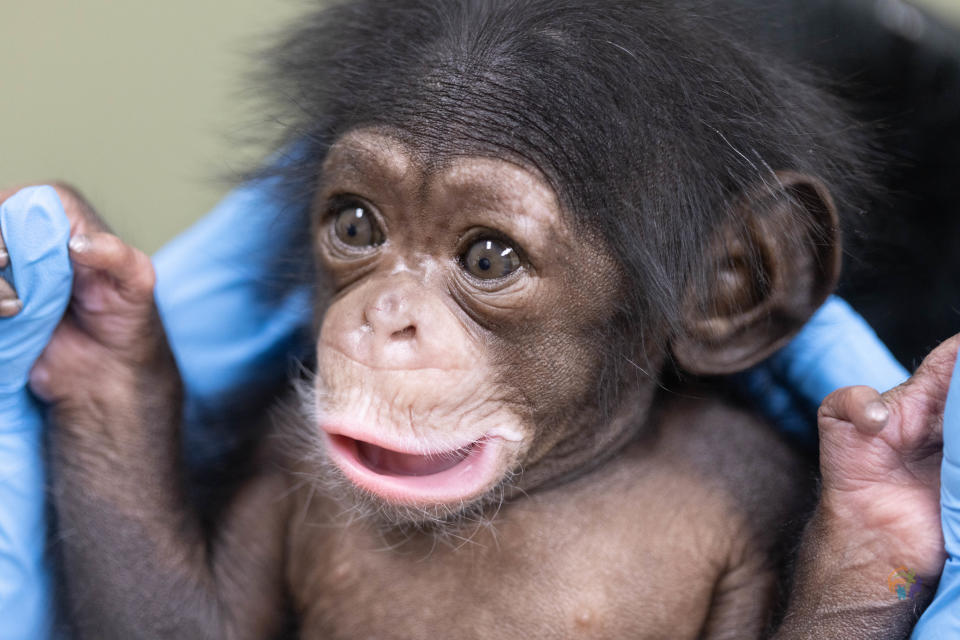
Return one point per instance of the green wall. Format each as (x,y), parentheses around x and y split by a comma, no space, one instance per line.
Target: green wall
(138,103)
(949,9)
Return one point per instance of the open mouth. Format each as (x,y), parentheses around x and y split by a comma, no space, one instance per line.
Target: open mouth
(395,463)
(418,479)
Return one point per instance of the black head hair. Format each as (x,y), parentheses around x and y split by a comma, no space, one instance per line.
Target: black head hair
(647,117)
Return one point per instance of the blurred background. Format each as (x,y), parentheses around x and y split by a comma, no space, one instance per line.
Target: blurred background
(145,106)
(138,103)
(950,9)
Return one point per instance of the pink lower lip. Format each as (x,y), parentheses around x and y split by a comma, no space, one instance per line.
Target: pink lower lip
(452,477)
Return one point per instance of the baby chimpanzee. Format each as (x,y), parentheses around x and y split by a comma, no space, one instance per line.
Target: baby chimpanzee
(526,214)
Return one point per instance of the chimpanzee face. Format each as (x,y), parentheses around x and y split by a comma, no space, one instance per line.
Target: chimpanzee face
(460,345)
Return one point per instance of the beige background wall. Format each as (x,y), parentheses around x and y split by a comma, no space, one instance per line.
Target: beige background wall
(950,9)
(134,101)
(137,101)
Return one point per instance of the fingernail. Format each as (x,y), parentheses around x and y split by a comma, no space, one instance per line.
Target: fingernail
(10,307)
(877,412)
(79,243)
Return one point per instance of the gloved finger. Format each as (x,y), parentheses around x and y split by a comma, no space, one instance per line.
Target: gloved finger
(36,231)
(942,617)
(950,473)
(835,349)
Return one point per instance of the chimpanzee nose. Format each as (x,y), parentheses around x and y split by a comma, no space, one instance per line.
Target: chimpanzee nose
(399,323)
(391,317)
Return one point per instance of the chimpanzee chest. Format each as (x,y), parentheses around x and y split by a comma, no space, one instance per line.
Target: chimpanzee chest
(573,562)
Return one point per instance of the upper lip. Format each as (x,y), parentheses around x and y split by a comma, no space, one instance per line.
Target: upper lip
(373,367)
(396,444)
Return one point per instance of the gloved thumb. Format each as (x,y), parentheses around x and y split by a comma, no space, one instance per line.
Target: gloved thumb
(942,617)
(36,232)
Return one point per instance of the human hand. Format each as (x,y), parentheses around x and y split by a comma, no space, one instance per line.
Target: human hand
(35,231)
(942,617)
(835,349)
(234,325)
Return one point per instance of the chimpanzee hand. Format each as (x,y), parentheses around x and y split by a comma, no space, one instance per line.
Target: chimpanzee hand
(880,458)
(35,230)
(112,330)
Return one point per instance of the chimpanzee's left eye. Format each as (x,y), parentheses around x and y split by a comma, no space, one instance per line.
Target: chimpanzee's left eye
(356,227)
(490,259)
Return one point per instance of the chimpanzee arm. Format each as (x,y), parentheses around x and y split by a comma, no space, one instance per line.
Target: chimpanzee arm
(833,595)
(867,564)
(137,561)
(830,598)
(742,600)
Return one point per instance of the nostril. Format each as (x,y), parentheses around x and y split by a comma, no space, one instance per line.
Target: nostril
(405,334)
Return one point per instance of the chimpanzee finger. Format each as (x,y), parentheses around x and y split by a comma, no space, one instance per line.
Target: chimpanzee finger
(4,255)
(925,394)
(863,407)
(10,305)
(129,268)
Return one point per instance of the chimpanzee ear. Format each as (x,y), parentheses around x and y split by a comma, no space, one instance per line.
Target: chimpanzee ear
(767,272)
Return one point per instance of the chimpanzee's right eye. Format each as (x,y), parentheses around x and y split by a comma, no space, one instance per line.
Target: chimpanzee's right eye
(356,226)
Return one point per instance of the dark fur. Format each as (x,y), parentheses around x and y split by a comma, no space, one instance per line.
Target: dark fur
(647,118)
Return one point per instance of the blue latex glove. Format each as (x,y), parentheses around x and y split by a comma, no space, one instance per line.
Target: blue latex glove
(942,618)
(232,329)
(36,232)
(836,348)
(214,294)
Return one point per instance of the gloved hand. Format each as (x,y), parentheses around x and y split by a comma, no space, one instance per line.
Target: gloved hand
(942,618)
(36,232)
(836,348)
(235,323)
(225,324)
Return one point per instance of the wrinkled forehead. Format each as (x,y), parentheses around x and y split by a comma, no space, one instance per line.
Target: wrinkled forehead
(390,158)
